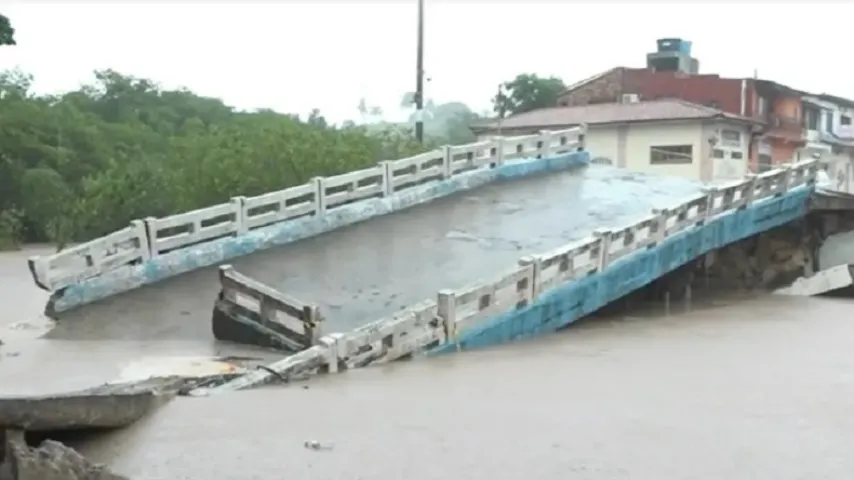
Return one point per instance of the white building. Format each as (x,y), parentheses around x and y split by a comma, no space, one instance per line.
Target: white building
(668,137)
(829,131)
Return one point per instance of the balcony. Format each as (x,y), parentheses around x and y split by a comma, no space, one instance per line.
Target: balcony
(842,135)
(785,127)
(784,122)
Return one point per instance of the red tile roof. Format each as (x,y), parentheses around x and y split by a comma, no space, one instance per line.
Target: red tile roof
(604,113)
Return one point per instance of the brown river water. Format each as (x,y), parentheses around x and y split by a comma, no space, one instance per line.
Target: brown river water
(747,388)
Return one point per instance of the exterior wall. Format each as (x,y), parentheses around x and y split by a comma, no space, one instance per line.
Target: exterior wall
(729,160)
(641,137)
(787,136)
(605,142)
(709,90)
(628,146)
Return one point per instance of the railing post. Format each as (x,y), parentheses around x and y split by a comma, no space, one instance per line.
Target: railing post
(711,195)
(786,179)
(447,162)
(497,151)
(661,217)
(336,355)
(142,234)
(446,303)
(240,214)
(319,196)
(535,275)
(388,178)
(582,137)
(151,233)
(544,144)
(749,192)
(604,237)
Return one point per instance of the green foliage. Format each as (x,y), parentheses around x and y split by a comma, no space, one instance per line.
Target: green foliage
(10,229)
(81,164)
(7,32)
(527,92)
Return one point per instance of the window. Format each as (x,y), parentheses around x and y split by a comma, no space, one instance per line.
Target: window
(718,153)
(761,107)
(736,155)
(811,118)
(764,162)
(671,154)
(828,121)
(845,120)
(730,138)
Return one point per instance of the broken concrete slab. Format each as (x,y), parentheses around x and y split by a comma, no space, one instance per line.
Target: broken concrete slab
(106,406)
(49,461)
(291,368)
(824,281)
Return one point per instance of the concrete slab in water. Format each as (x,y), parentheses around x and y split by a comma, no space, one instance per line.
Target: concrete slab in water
(359,274)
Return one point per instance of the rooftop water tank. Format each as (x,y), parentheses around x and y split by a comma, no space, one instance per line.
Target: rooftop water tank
(674,45)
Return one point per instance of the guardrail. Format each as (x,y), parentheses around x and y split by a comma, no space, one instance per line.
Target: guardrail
(148,238)
(432,323)
(294,325)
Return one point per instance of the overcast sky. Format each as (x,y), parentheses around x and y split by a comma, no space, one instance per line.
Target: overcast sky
(294,56)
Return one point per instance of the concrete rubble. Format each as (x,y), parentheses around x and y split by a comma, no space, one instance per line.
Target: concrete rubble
(49,461)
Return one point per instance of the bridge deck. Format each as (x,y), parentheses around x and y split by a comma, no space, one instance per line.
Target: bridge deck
(360,273)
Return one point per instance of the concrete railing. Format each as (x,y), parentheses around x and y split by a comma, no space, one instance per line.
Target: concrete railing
(443,321)
(151,237)
(295,324)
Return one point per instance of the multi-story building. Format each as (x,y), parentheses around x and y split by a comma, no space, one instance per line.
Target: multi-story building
(830,135)
(786,113)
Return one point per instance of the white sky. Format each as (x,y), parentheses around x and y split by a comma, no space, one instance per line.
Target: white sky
(293,56)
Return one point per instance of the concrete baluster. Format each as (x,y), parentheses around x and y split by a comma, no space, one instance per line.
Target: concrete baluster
(712,194)
(749,192)
(387,177)
(319,196)
(446,302)
(447,162)
(582,137)
(335,345)
(151,233)
(663,215)
(785,180)
(544,144)
(241,226)
(534,279)
(141,230)
(604,237)
(497,152)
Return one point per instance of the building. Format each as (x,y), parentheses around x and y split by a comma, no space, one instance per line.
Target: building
(672,72)
(830,135)
(668,137)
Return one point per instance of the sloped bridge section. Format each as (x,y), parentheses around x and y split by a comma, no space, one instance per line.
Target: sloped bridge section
(152,249)
(546,292)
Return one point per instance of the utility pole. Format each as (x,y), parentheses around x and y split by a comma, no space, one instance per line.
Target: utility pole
(419,76)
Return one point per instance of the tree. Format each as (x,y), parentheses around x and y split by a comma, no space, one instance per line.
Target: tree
(448,123)
(527,92)
(7,32)
(81,164)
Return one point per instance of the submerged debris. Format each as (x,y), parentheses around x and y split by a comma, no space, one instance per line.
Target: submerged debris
(51,460)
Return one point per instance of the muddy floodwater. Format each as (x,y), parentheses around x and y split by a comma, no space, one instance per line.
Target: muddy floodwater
(737,388)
